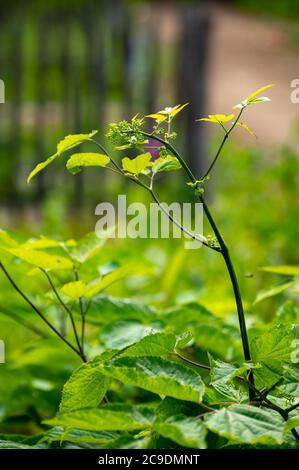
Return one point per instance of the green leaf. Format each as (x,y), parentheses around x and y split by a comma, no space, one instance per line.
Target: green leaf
(156,344)
(224,372)
(6,241)
(105,309)
(267,294)
(286,270)
(106,418)
(122,333)
(290,424)
(40,166)
(78,160)
(80,435)
(114,276)
(247,424)
(217,338)
(165,164)
(136,165)
(86,247)
(185,431)
(272,350)
(41,259)
(69,142)
(157,375)
(74,290)
(73,140)
(85,388)
(251,99)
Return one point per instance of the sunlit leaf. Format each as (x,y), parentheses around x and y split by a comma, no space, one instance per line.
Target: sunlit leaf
(69,142)
(185,431)
(257,92)
(217,118)
(136,165)
(75,289)
(165,164)
(41,259)
(78,160)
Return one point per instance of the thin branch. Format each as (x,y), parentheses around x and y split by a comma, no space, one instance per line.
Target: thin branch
(68,311)
(101,147)
(36,309)
(82,312)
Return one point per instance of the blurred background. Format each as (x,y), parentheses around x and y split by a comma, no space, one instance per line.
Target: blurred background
(73,66)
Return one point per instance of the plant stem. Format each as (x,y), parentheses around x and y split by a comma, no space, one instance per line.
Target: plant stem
(82,312)
(224,250)
(68,311)
(39,313)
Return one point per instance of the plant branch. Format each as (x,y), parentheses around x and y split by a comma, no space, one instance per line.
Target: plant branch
(68,311)
(82,312)
(36,309)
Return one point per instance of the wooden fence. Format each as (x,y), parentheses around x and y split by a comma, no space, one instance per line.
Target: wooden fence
(70,68)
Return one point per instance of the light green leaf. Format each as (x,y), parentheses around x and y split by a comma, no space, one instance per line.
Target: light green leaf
(75,290)
(40,166)
(290,424)
(185,431)
(247,424)
(41,259)
(73,140)
(251,99)
(165,164)
(69,142)
(79,435)
(118,274)
(136,165)
(261,99)
(6,240)
(157,375)
(106,418)
(78,160)
(44,242)
(286,270)
(87,247)
(85,388)
(266,294)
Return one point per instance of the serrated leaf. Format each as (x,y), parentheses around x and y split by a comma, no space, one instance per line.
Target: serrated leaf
(185,431)
(165,164)
(247,424)
(268,293)
(138,164)
(79,160)
(272,350)
(156,344)
(286,270)
(85,388)
(157,375)
(224,372)
(106,418)
(41,259)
